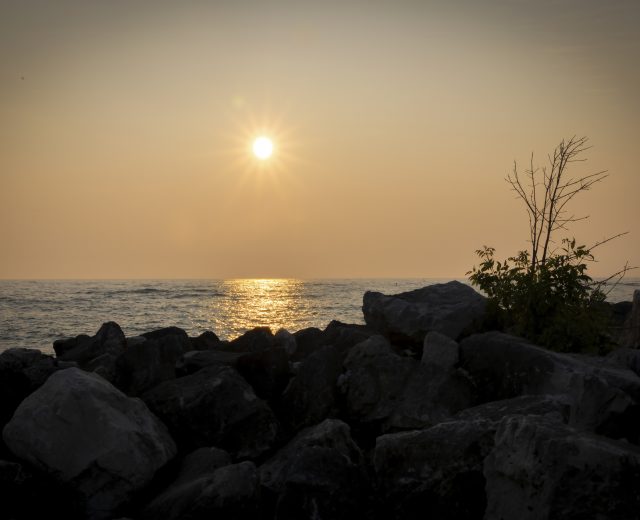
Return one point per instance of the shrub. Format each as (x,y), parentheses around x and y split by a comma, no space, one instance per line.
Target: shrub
(545,293)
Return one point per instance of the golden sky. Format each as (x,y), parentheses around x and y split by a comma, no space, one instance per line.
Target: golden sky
(126,131)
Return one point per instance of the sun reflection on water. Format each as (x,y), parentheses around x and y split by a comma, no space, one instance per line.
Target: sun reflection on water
(275,303)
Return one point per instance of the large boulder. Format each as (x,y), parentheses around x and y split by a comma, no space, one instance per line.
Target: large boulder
(215,407)
(209,486)
(604,398)
(449,308)
(312,395)
(319,474)
(385,391)
(434,473)
(541,468)
(96,353)
(81,429)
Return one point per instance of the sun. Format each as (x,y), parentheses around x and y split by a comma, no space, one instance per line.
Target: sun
(263,148)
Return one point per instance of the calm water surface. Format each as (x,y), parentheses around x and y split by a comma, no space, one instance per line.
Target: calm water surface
(33,313)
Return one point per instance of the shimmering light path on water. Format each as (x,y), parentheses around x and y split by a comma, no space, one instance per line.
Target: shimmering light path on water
(35,313)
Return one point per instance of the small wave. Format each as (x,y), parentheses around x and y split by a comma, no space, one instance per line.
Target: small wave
(171,293)
(196,294)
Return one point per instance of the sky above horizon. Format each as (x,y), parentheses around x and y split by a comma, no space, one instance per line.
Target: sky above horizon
(126,132)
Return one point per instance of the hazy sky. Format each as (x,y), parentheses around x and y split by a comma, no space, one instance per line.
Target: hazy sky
(126,129)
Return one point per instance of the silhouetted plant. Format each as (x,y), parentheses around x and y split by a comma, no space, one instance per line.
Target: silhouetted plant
(545,294)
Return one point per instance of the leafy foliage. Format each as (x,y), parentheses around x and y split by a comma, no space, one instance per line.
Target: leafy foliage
(545,294)
(556,304)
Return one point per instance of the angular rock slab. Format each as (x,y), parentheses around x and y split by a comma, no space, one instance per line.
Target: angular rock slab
(319,474)
(605,398)
(541,468)
(92,436)
(215,407)
(449,308)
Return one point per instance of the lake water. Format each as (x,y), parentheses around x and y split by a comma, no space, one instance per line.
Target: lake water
(33,313)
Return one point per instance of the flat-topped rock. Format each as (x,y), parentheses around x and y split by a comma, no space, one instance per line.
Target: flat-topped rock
(449,308)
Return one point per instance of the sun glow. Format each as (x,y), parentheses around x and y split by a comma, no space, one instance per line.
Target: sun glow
(263,148)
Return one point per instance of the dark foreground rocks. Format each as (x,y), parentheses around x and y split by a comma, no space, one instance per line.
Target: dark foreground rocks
(419,414)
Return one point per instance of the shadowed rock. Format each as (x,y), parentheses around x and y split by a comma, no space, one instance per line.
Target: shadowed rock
(311,395)
(541,468)
(626,358)
(91,436)
(556,406)
(205,341)
(254,340)
(434,473)
(384,391)
(97,353)
(284,339)
(604,398)
(307,341)
(630,337)
(208,486)
(319,474)
(195,360)
(215,407)
(149,360)
(169,332)
(344,336)
(28,494)
(22,371)
(267,371)
(440,352)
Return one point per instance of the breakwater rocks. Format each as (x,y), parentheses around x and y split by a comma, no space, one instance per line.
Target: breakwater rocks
(419,414)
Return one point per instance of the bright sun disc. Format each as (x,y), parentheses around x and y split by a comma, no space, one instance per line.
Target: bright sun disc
(263,148)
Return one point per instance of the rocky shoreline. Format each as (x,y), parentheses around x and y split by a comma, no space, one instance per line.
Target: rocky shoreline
(422,413)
